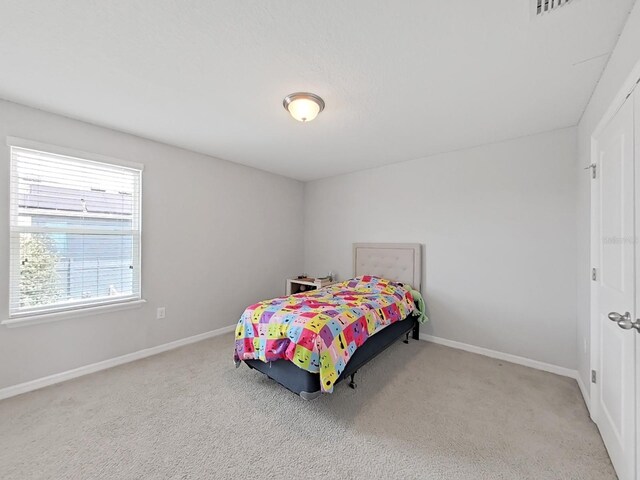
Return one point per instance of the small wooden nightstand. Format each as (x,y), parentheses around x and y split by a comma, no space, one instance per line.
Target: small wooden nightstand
(298,285)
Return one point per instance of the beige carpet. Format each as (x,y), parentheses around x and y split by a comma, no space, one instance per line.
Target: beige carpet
(421,411)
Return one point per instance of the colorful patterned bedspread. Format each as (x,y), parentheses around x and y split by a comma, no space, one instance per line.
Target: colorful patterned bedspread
(321,329)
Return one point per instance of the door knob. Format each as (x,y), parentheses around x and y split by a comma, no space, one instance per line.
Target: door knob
(628,324)
(624,321)
(617,317)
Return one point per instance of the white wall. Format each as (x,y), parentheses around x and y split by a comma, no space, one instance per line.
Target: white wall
(497,224)
(493,221)
(217,236)
(624,58)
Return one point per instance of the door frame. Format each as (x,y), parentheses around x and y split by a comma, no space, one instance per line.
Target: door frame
(631,82)
(637,242)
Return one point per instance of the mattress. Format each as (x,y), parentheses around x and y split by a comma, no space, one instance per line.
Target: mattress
(321,330)
(307,384)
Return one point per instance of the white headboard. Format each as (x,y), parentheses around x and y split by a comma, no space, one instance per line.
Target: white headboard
(400,262)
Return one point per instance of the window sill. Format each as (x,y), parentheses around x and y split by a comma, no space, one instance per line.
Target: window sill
(80,312)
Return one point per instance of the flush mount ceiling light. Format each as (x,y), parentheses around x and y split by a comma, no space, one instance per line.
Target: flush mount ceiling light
(303,106)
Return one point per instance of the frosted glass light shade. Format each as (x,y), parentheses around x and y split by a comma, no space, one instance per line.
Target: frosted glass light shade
(304,107)
(304,110)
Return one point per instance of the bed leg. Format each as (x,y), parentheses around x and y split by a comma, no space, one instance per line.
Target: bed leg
(416,332)
(352,382)
(406,338)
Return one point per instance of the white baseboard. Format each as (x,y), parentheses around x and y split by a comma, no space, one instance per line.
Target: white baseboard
(585,392)
(507,357)
(147,352)
(103,365)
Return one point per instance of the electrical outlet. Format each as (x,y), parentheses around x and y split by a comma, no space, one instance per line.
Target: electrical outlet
(161,313)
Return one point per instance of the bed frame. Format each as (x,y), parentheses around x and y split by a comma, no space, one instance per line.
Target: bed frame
(400,262)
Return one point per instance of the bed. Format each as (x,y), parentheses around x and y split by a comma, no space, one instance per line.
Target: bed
(379,292)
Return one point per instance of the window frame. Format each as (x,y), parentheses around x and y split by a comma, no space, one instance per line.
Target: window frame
(61,311)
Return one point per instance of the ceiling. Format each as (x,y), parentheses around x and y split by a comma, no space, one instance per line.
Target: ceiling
(401,80)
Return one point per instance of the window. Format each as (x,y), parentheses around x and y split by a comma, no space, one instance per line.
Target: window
(75,231)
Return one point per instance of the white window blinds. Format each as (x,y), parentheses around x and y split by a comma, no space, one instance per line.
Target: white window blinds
(75,233)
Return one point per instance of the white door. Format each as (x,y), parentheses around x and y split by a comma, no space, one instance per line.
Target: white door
(614,290)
